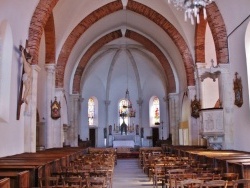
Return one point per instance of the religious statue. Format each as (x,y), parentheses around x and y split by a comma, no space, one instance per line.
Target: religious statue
(142,132)
(123,128)
(105,132)
(195,107)
(27,75)
(110,129)
(137,130)
(238,101)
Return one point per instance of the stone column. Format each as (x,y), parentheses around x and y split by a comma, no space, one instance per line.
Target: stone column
(107,141)
(73,135)
(30,114)
(201,67)
(82,130)
(139,102)
(50,95)
(174,113)
(194,123)
(58,123)
(227,97)
(167,127)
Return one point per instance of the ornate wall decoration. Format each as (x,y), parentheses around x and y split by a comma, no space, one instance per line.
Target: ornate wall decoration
(238,101)
(212,128)
(55,109)
(195,107)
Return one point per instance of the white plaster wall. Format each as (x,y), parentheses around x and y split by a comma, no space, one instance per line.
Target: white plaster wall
(210,90)
(18,16)
(238,64)
(237,60)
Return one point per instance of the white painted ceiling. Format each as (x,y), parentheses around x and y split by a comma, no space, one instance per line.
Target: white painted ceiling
(68,13)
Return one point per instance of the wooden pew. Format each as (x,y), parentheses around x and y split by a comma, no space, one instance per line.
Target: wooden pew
(17,179)
(5,183)
(33,172)
(40,164)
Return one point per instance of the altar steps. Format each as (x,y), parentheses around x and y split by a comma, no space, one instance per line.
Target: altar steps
(127,153)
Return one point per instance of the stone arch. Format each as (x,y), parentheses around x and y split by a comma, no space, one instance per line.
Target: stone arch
(218,29)
(89,53)
(38,21)
(135,7)
(162,22)
(149,45)
(50,40)
(76,34)
(45,7)
(200,32)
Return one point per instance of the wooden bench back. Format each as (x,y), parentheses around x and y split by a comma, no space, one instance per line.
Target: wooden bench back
(5,183)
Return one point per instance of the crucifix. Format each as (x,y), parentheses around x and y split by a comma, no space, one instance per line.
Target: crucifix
(26,78)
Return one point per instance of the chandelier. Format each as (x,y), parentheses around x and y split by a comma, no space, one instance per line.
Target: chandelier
(127,107)
(192,8)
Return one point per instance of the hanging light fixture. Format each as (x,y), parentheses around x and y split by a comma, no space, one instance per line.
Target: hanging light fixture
(127,110)
(192,8)
(127,107)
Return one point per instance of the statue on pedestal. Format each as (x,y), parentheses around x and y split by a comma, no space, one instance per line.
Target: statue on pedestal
(110,129)
(123,128)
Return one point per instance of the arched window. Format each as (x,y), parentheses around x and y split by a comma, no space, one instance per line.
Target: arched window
(91,111)
(123,111)
(154,111)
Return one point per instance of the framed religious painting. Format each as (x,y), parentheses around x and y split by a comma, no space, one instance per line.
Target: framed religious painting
(55,109)
(238,101)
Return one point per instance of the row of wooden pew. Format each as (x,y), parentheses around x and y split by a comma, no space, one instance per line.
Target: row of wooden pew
(228,160)
(23,170)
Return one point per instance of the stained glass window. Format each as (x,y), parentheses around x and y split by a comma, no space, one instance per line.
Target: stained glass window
(91,111)
(123,111)
(156,110)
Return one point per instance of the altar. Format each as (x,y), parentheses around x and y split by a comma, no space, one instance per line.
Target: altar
(124,141)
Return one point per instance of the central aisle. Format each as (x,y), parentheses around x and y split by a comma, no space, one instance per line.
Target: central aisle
(127,173)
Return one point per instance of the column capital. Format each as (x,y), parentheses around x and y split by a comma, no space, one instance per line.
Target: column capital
(172,96)
(81,99)
(60,90)
(139,101)
(107,102)
(74,97)
(165,99)
(50,68)
(36,68)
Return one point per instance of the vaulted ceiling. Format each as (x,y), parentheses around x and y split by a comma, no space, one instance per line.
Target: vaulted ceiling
(76,32)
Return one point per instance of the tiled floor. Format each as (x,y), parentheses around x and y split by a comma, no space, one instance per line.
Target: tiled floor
(128,174)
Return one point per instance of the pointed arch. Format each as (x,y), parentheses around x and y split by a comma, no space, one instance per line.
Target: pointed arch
(218,29)
(76,34)
(149,45)
(50,40)
(200,32)
(173,34)
(38,21)
(90,52)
